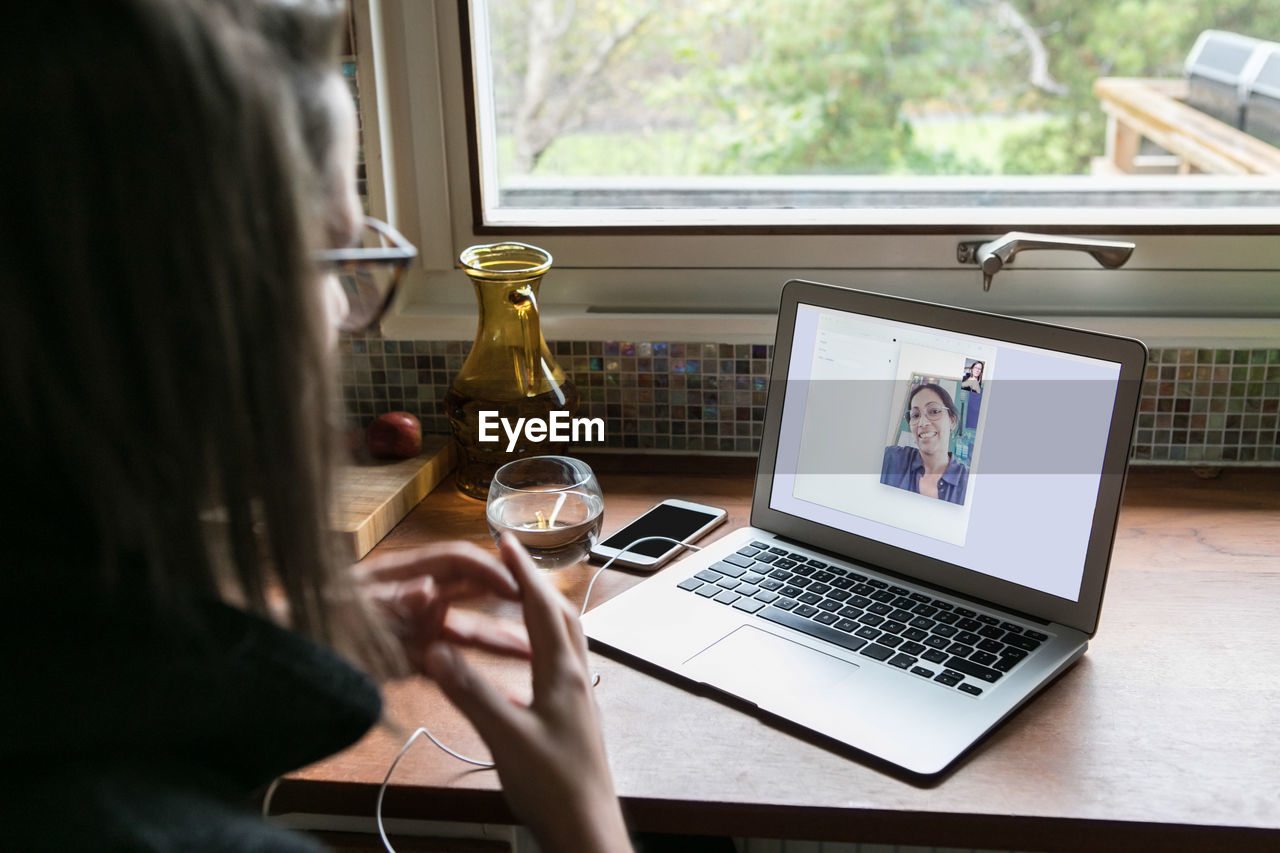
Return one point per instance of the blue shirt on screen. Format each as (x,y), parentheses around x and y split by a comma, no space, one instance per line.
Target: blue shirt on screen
(971,410)
(903,467)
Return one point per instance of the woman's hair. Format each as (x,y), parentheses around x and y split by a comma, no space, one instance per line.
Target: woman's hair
(305,36)
(977,364)
(947,402)
(165,382)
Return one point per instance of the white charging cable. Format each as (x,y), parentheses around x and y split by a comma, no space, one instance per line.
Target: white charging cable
(382,789)
(640,541)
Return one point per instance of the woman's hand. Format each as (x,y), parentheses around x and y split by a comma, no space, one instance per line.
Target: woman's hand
(415,589)
(550,755)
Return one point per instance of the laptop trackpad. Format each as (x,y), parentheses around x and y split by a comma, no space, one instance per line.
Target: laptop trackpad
(756,665)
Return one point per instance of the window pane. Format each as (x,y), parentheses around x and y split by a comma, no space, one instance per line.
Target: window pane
(838,104)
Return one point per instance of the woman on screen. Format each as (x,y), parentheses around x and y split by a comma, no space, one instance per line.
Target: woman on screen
(928,468)
(973,378)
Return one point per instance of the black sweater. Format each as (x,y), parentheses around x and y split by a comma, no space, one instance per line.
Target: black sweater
(124,733)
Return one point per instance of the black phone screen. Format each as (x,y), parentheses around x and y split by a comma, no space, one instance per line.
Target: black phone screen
(663,520)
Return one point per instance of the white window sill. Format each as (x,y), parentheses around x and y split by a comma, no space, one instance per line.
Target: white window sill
(579,323)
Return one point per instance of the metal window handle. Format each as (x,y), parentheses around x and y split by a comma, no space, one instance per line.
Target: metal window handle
(993,256)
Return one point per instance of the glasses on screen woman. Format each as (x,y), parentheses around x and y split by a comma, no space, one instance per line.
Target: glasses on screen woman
(368,272)
(933,413)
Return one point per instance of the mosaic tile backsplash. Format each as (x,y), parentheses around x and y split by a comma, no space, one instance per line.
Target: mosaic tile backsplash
(1199,406)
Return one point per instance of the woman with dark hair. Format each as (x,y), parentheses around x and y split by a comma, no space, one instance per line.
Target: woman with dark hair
(972,380)
(928,468)
(177,624)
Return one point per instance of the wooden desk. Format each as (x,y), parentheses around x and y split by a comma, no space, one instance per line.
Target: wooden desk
(1156,739)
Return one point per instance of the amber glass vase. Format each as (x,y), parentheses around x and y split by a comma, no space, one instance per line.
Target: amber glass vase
(509,371)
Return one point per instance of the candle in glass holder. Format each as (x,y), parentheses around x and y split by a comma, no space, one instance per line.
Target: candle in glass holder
(551,504)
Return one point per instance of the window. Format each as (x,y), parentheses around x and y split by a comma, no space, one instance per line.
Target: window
(689,157)
(831,111)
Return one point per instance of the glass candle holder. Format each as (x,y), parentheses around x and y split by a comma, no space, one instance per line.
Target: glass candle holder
(551,504)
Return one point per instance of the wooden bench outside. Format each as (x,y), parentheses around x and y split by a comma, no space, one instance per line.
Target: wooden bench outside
(1153,109)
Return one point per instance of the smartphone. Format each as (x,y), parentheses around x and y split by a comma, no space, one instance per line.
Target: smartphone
(684,521)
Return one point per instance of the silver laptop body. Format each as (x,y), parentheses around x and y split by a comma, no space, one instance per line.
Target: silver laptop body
(896,609)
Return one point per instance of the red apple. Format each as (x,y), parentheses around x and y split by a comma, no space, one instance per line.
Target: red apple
(395,435)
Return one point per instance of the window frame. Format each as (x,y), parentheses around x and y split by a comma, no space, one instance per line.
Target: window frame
(719,276)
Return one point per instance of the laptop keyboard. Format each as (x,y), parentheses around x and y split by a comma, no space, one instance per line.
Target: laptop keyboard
(929,637)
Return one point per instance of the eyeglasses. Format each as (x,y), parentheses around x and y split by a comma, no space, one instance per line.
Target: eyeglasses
(933,413)
(369,273)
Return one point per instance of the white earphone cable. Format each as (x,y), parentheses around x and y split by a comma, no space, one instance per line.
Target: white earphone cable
(382,789)
(586,598)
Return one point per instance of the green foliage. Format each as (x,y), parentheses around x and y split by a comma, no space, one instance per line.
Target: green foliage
(817,87)
(1063,145)
(796,87)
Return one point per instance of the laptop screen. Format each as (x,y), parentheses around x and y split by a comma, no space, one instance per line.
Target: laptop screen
(977,452)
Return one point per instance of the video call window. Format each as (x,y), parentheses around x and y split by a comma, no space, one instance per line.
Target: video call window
(932,439)
(858,450)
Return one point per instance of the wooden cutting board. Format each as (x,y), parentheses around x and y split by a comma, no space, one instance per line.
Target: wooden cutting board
(373,497)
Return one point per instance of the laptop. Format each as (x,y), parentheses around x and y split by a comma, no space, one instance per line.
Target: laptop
(934,510)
